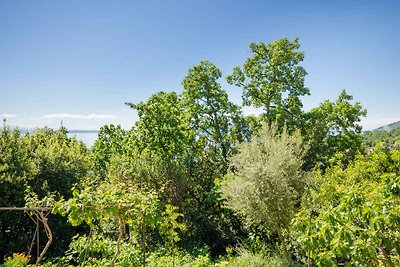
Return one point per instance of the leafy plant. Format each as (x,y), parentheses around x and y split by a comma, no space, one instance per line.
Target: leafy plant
(117,200)
(353,216)
(16,260)
(169,228)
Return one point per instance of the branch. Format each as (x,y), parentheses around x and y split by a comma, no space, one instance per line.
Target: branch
(27,209)
(385,254)
(49,234)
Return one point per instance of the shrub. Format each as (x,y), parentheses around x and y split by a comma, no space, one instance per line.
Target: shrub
(17,260)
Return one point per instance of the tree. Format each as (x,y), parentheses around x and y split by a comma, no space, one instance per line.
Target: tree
(173,156)
(331,128)
(55,161)
(219,125)
(214,118)
(352,215)
(162,126)
(273,80)
(266,180)
(161,145)
(110,142)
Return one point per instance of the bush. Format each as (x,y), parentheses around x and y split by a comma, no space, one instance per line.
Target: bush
(16,260)
(99,251)
(182,259)
(247,258)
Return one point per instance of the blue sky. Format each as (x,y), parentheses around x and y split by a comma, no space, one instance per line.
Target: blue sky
(79,61)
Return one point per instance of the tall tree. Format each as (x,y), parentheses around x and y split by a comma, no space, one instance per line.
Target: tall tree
(214,118)
(218,125)
(162,143)
(162,126)
(174,154)
(273,79)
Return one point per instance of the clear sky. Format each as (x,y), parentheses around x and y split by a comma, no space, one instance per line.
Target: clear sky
(79,61)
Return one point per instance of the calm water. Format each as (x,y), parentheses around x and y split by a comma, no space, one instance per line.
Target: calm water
(87,138)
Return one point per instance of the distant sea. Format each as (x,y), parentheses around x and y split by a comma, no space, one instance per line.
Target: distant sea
(87,137)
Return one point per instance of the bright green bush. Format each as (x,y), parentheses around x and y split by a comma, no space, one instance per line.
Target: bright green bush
(99,251)
(353,216)
(247,258)
(16,260)
(182,259)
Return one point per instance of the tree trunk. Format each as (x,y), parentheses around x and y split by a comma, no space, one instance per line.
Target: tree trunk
(144,241)
(173,254)
(385,254)
(282,240)
(308,237)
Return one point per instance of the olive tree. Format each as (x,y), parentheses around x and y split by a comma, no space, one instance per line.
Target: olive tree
(266,180)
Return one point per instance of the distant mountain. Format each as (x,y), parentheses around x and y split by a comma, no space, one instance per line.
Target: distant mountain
(389,127)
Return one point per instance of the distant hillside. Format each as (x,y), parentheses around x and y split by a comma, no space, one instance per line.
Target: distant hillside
(389,127)
(388,134)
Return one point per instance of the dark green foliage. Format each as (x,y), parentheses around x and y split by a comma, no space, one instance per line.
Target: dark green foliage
(55,162)
(217,121)
(162,127)
(12,189)
(44,161)
(110,142)
(332,128)
(181,154)
(162,145)
(273,80)
(218,126)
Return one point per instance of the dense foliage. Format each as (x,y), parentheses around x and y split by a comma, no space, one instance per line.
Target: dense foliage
(195,182)
(42,162)
(353,214)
